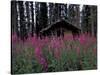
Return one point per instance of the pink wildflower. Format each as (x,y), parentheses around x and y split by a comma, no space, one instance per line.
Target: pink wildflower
(38,52)
(40,59)
(44,63)
(14,38)
(82,39)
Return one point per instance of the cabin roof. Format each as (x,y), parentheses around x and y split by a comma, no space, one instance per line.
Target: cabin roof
(61,21)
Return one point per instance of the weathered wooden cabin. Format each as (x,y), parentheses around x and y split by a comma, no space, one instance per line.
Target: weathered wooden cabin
(59,28)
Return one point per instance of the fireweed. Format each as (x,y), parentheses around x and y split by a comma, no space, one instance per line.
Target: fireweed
(61,53)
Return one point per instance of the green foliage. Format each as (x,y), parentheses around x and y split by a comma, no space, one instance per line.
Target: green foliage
(72,56)
(26,63)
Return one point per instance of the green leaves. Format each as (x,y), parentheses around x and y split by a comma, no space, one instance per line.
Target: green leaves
(21,65)
(70,56)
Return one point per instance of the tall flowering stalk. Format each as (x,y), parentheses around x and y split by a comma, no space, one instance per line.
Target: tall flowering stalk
(39,57)
(82,39)
(14,38)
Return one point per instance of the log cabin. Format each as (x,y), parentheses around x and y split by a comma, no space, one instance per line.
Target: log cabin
(60,28)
